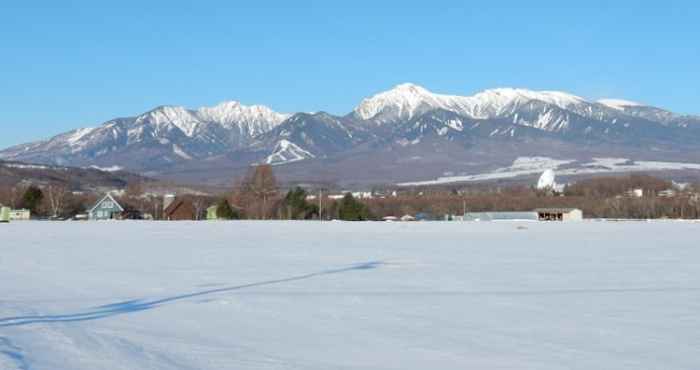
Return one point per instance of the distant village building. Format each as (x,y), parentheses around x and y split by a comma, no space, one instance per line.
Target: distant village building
(20,215)
(424,216)
(213,213)
(180,209)
(106,208)
(81,217)
(559,214)
(4,214)
(500,216)
(542,214)
(168,199)
(635,193)
(668,193)
(363,195)
(130,213)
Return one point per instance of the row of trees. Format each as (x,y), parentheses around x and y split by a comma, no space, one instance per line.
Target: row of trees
(682,206)
(53,200)
(605,187)
(605,197)
(257,196)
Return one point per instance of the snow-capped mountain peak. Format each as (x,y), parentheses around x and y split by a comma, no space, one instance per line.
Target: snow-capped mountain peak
(408,114)
(647,112)
(619,104)
(402,102)
(164,117)
(505,96)
(411,88)
(232,111)
(406,101)
(182,132)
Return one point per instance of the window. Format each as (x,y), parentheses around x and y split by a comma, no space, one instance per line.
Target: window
(107,204)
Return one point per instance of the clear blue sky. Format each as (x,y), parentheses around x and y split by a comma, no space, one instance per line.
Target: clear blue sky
(68,64)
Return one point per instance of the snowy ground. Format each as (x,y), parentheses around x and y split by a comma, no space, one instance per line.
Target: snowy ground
(284,295)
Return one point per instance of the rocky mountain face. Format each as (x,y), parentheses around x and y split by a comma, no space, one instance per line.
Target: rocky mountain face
(406,131)
(311,135)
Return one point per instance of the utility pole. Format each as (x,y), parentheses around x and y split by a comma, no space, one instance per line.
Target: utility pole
(464,205)
(320,204)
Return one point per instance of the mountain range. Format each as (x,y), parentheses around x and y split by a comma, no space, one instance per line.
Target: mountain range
(405,134)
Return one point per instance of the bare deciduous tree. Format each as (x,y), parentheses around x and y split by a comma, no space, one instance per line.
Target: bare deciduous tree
(260,182)
(56,195)
(5,195)
(16,193)
(199,204)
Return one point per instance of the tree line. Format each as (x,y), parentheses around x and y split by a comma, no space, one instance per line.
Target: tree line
(259,196)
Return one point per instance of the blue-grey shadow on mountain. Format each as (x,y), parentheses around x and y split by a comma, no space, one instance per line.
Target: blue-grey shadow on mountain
(136,305)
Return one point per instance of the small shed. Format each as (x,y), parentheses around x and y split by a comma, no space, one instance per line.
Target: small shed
(213,213)
(20,215)
(4,214)
(180,210)
(106,208)
(559,214)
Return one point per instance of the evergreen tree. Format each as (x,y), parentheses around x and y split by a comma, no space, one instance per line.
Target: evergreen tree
(296,205)
(225,212)
(32,199)
(350,209)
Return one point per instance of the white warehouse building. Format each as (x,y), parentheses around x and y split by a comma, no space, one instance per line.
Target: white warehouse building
(559,214)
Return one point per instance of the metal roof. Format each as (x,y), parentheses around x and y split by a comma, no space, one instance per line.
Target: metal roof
(556,210)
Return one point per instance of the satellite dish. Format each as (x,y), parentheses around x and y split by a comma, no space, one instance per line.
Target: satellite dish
(546,181)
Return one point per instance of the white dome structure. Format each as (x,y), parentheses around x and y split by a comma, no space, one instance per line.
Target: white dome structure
(546,180)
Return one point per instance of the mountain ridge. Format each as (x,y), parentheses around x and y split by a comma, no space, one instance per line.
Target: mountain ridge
(174,138)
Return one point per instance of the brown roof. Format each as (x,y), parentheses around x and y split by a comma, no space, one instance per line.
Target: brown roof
(173,206)
(180,209)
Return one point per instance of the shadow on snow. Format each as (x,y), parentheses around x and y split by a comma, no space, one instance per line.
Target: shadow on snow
(13,352)
(137,305)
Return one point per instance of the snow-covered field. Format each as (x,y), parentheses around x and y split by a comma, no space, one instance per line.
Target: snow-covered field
(286,295)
